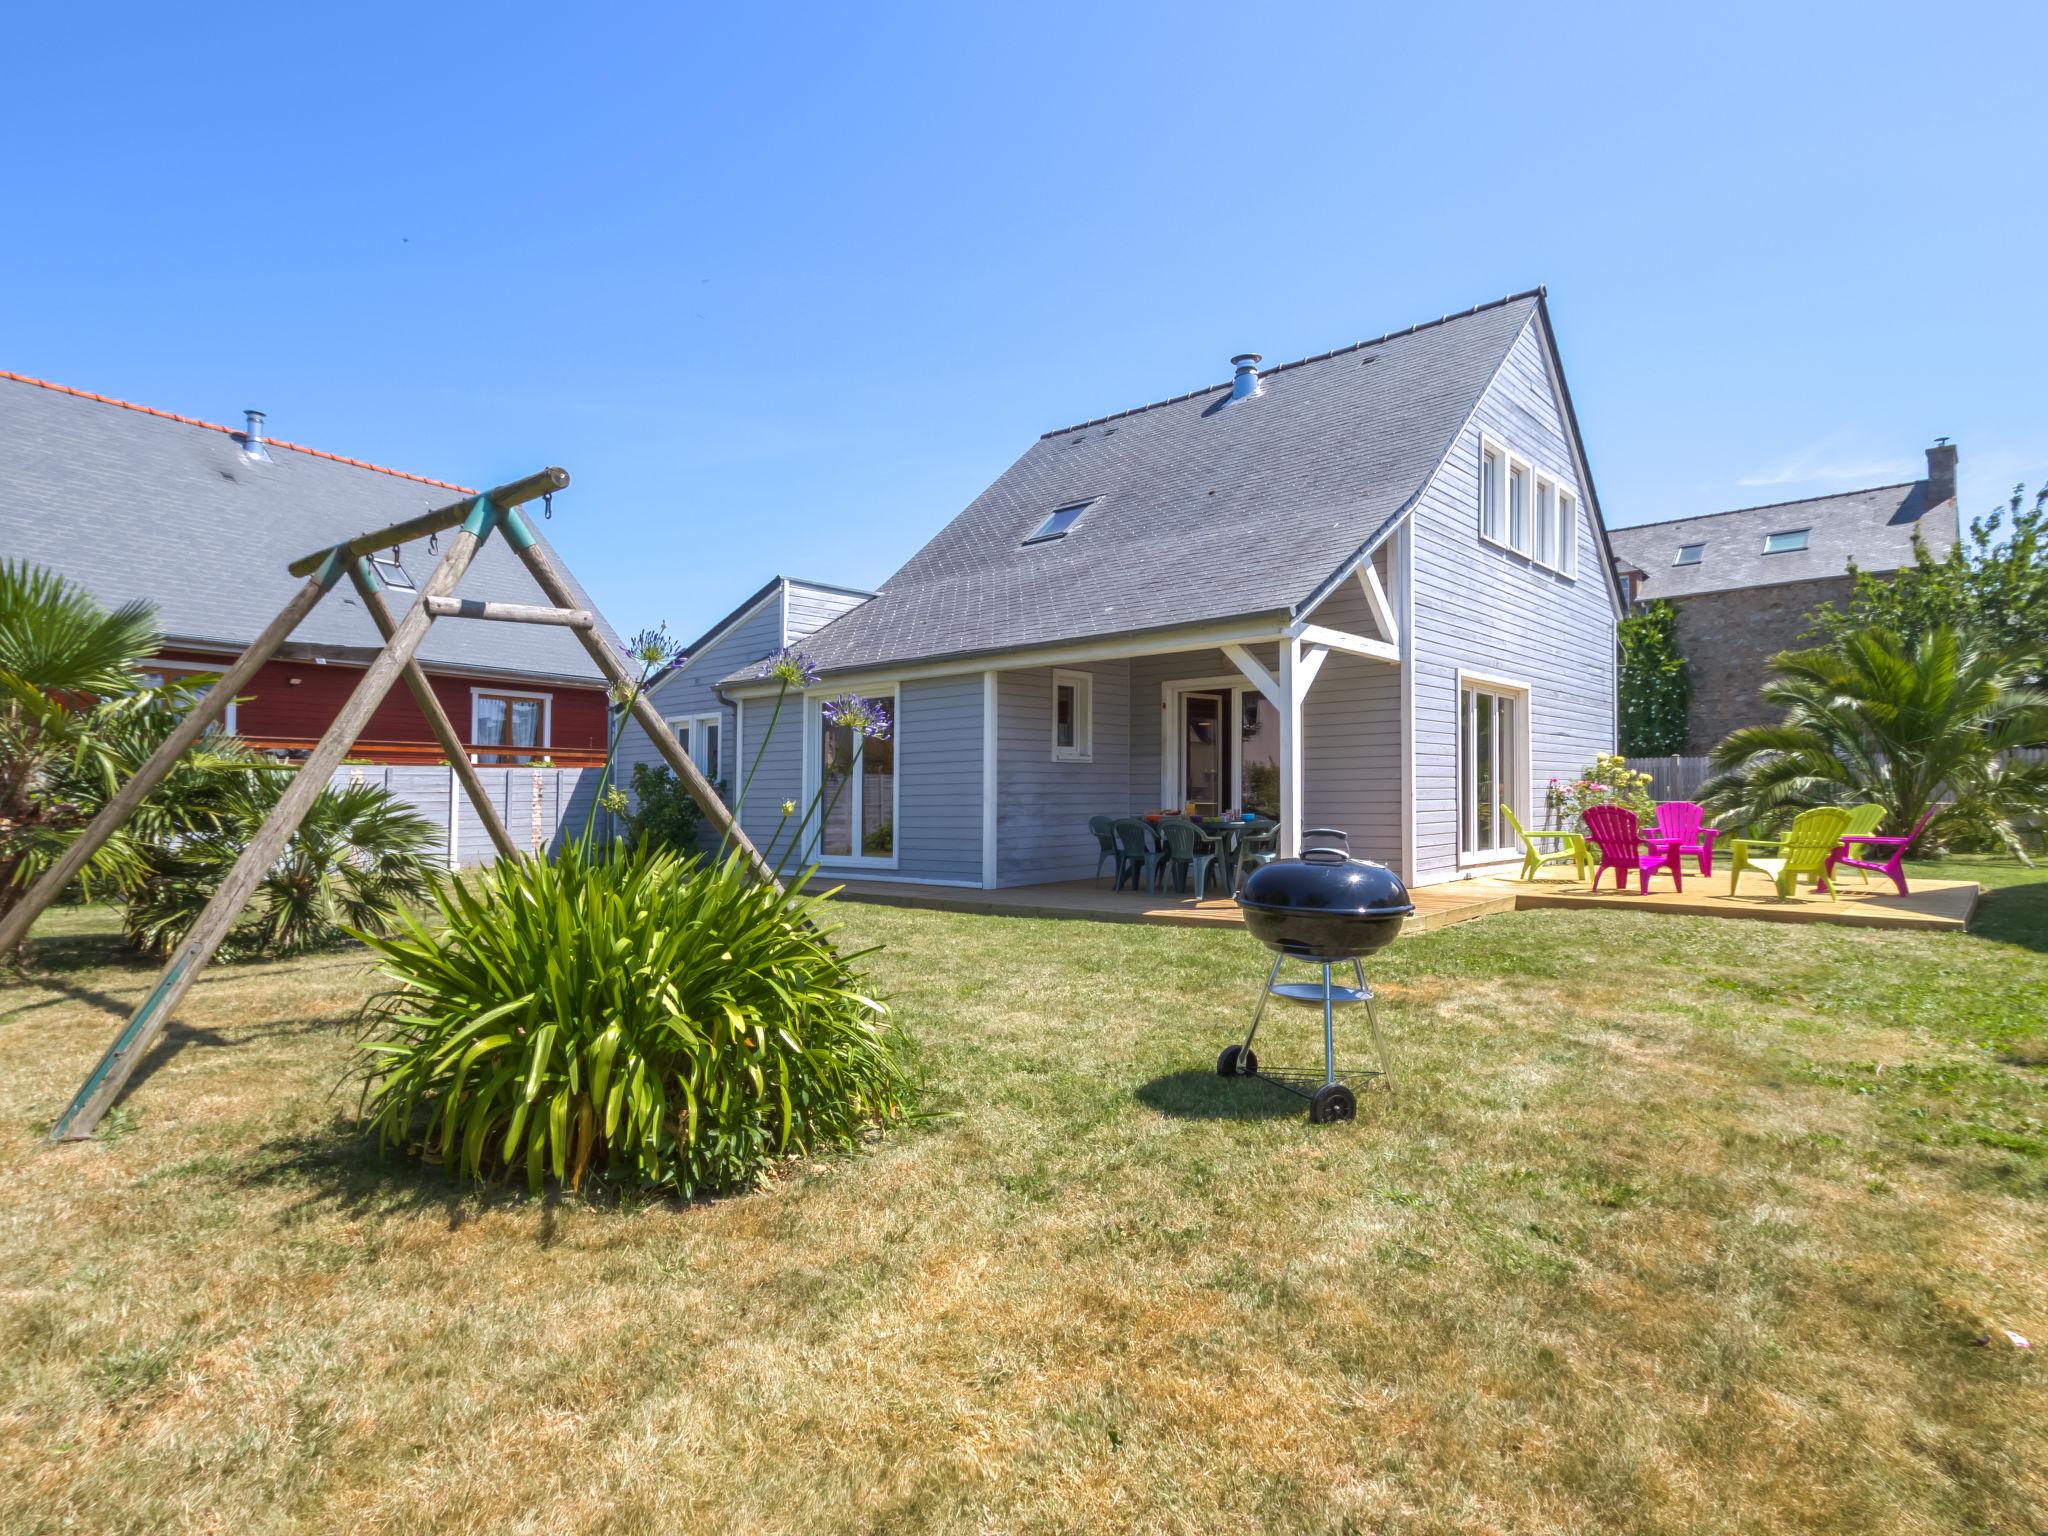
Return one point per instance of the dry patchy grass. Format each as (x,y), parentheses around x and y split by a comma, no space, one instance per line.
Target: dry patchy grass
(1676,1225)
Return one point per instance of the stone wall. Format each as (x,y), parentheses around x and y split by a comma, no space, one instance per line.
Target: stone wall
(1728,636)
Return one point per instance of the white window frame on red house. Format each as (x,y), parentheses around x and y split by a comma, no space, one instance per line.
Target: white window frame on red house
(495,749)
(157,673)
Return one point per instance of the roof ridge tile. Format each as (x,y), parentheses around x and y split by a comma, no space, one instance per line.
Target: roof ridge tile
(214,426)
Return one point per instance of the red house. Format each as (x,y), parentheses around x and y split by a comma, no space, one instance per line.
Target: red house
(201,520)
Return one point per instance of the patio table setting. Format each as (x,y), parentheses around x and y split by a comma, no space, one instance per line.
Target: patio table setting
(1211,842)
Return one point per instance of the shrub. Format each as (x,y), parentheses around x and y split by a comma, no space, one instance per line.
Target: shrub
(650,1020)
(356,860)
(1656,686)
(663,812)
(1610,781)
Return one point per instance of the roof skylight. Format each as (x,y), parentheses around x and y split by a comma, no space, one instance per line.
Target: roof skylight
(1059,522)
(1785,543)
(1690,554)
(391,573)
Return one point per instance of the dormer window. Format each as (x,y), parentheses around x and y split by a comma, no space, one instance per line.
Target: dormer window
(1689,554)
(1060,522)
(1791,540)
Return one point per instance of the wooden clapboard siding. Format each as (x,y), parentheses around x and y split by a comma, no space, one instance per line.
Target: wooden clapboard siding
(1043,806)
(1351,738)
(938,768)
(812,608)
(1488,610)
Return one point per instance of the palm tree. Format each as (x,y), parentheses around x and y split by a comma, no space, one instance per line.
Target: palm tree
(359,855)
(1871,717)
(75,722)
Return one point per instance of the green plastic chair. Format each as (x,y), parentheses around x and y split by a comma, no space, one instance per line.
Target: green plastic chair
(1104,828)
(1863,820)
(1804,851)
(1534,858)
(1256,848)
(1135,859)
(1193,854)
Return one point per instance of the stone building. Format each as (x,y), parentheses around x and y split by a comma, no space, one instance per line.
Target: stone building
(1744,581)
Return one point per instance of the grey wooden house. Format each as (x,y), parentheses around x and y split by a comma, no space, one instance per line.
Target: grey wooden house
(1369,590)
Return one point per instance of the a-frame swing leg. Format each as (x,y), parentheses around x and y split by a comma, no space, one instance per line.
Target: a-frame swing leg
(104,1085)
(422,691)
(645,715)
(15,926)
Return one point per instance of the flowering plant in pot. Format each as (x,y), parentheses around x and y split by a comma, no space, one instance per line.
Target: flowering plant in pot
(1609,781)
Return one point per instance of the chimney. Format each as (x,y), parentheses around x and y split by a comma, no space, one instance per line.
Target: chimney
(252,438)
(1247,380)
(1941,472)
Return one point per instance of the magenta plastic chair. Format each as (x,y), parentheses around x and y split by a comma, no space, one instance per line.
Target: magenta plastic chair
(1892,849)
(1615,831)
(1687,822)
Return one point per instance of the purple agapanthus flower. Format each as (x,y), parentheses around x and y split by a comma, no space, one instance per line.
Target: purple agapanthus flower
(790,667)
(864,717)
(654,650)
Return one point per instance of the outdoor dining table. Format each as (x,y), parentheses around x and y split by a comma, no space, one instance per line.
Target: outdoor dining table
(1228,835)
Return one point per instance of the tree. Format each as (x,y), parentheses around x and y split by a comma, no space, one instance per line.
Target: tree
(663,811)
(1907,724)
(76,721)
(1656,686)
(1994,595)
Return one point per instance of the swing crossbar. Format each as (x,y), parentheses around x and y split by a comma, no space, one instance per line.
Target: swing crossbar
(509,613)
(440,520)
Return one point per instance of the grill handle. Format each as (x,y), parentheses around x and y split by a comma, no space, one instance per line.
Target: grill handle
(1341,844)
(1325,856)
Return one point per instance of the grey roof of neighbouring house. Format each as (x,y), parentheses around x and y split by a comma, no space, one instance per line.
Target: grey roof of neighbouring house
(1874,528)
(135,503)
(1203,510)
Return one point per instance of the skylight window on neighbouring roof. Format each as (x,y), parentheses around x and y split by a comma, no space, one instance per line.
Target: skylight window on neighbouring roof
(1690,554)
(1060,523)
(1785,543)
(391,573)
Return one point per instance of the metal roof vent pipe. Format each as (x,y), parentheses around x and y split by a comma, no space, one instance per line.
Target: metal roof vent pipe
(1247,380)
(252,438)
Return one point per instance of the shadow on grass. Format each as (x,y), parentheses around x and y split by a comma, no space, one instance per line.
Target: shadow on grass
(1202,1095)
(58,953)
(2014,914)
(338,1168)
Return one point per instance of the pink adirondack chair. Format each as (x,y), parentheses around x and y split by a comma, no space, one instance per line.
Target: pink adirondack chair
(1687,822)
(1614,830)
(1892,849)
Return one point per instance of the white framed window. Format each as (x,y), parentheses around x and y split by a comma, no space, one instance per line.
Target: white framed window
(1493,759)
(156,673)
(1690,554)
(858,781)
(1567,532)
(1788,542)
(1073,717)
(1519,478)
(1493,491)
(509,717)
(1546,521)
(703,738)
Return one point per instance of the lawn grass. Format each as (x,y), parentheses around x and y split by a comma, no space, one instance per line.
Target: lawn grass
(1676,1225)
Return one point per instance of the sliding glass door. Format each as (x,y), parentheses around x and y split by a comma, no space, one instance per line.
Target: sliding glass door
(1490,755)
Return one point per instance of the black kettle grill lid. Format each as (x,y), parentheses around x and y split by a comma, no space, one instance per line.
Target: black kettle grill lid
(1326,880)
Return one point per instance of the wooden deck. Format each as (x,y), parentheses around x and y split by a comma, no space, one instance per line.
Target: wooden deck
(1933,905)
(1435,907)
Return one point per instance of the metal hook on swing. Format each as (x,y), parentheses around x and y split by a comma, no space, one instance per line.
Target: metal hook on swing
(547,505)
(433,543)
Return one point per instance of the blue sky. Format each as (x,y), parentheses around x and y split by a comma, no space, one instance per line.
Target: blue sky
(784,289)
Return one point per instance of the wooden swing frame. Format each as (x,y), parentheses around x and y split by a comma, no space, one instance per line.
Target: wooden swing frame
(475,519)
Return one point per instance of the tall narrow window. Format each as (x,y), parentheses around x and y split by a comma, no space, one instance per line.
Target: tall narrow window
(1518,507)
(706,750)
(857,784)
(1567,532)
(1073,724)
(1546,521)
(1492,492)
(1489,755)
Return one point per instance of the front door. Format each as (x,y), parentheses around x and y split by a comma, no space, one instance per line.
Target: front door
(1206,752)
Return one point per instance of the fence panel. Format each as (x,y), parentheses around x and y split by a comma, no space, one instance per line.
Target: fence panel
(1672,778)
(541,808)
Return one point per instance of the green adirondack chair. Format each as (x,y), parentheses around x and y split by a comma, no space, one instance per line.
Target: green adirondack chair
(1803,851)
(1863,821)
(1534,858)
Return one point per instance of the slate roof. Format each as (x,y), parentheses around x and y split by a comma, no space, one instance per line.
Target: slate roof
(131,502)
(1873,527)
(1204,510)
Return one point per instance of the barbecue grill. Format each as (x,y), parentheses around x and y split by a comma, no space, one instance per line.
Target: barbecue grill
(1328,909)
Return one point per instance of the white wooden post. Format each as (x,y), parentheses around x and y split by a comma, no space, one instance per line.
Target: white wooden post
(988,780)
(1290,749)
